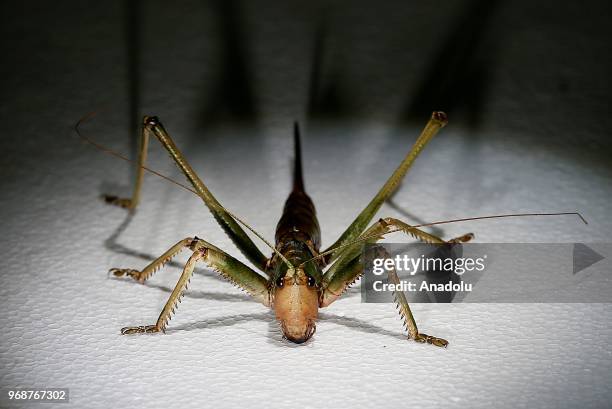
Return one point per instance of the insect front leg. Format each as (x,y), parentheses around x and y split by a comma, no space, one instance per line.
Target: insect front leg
(408,318)
(349,267)
(349,252)
(350,272)
(230,268)
(142,275)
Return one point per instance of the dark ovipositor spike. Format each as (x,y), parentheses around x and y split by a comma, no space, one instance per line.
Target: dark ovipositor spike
(298,179)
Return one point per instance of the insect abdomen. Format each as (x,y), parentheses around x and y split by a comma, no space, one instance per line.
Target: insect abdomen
(299,220)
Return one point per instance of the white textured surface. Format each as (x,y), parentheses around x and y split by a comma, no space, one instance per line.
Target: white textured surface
(62,315)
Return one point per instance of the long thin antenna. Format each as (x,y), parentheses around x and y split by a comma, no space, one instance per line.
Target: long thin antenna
(260,238)
(500,216)
(365,238)
(116,154)
(122,157)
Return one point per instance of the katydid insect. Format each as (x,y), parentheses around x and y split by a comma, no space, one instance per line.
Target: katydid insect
(298,278)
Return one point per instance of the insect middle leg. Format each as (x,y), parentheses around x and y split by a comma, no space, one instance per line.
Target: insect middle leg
(151,125)
(230,268)
(349,267)
(142,275)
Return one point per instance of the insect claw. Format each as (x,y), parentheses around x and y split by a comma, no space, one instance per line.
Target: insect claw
(462,239)
(139,330)
(424,338)
(135,274)
(439,342)
(126,203)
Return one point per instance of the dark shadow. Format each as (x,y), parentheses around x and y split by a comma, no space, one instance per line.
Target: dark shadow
(232,96)
(111,242)
(274,332)
(325,97)
(458,75)
(222,322)
(435,230)
(113,189)
(362,326)
(132,48)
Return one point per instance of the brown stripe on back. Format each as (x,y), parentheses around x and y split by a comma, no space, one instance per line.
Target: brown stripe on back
(299,216)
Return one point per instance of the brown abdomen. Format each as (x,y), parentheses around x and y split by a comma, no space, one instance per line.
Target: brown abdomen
(299,220)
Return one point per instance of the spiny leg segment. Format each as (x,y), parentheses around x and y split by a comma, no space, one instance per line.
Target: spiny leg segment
(173,301)
(147,272)
(230,268)
(348,268)
(352,251)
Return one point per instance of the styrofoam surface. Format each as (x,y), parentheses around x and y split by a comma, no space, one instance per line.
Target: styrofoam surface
(62,314)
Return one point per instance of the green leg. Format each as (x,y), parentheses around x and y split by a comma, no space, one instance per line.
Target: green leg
(437,121)
(408,318)
(349,267)
(131,203)
(151,125)
(346,254)
(230,268)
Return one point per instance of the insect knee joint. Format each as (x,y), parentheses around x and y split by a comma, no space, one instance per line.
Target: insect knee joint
(386,222)
(150,121)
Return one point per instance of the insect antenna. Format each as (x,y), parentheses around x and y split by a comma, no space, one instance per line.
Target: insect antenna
(116,154)
(393,230)
(499,216)
(167,178)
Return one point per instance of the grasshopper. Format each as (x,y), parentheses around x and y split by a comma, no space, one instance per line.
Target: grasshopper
(297,279)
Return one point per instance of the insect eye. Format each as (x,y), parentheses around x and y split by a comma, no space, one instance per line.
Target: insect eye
(280,281)
(311,281)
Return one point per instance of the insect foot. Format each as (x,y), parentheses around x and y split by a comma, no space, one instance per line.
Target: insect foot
(118,201)
(120,272)
(463,239)
(139,330)
(439,342)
